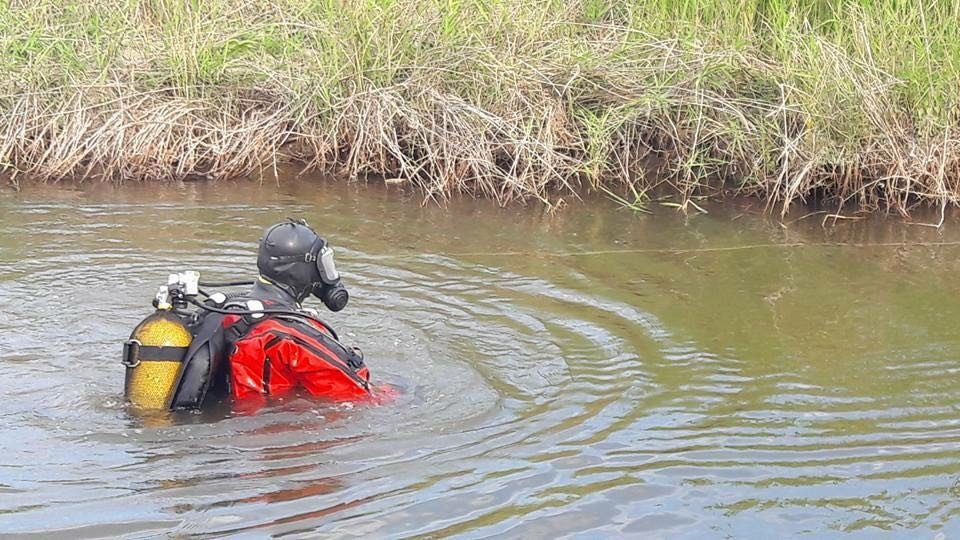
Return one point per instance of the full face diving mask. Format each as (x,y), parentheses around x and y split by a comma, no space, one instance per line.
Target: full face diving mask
(329,289)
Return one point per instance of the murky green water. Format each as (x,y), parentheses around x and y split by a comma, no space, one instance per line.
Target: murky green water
(683,388)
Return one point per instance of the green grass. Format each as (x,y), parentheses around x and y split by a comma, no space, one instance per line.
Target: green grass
(855,101)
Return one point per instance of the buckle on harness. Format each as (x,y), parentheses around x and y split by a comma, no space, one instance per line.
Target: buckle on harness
(131,348)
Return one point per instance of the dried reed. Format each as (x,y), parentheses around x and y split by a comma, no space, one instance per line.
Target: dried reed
(502,98)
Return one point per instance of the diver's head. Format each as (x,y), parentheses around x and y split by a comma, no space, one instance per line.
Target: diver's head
(297,259)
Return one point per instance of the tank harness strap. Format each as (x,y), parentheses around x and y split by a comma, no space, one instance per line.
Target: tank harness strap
(162,353)
(134,352)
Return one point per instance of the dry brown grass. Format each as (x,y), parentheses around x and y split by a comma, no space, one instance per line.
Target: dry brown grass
(503,98)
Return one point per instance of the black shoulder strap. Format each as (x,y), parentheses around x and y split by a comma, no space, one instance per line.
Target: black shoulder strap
(240,328)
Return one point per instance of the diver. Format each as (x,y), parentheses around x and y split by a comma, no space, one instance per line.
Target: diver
(259,343)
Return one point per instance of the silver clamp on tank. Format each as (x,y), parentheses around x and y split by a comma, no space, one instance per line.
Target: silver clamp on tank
(131,353)
(162,300)
(178,289)
(188,281)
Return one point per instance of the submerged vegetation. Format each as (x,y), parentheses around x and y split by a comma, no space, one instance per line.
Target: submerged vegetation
(851,100)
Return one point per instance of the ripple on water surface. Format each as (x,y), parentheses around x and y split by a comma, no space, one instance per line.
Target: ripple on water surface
(647,393)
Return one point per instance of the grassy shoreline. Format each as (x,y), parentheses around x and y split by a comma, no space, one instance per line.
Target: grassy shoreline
(843,100)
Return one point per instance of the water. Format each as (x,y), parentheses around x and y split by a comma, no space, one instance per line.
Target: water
(665,387)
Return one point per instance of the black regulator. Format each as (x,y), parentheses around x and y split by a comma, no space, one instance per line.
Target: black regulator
(335,297)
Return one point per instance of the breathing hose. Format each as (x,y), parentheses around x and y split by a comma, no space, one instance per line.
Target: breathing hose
(217,285)
(296,314)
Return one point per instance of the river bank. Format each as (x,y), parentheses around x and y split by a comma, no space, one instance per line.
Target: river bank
(825,100)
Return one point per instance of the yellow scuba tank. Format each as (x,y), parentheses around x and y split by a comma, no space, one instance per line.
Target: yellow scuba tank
(154,357)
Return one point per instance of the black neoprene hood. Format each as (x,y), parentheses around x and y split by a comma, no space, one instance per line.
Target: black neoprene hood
(284,257)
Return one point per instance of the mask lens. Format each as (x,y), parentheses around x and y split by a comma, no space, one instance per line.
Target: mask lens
(326,266)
